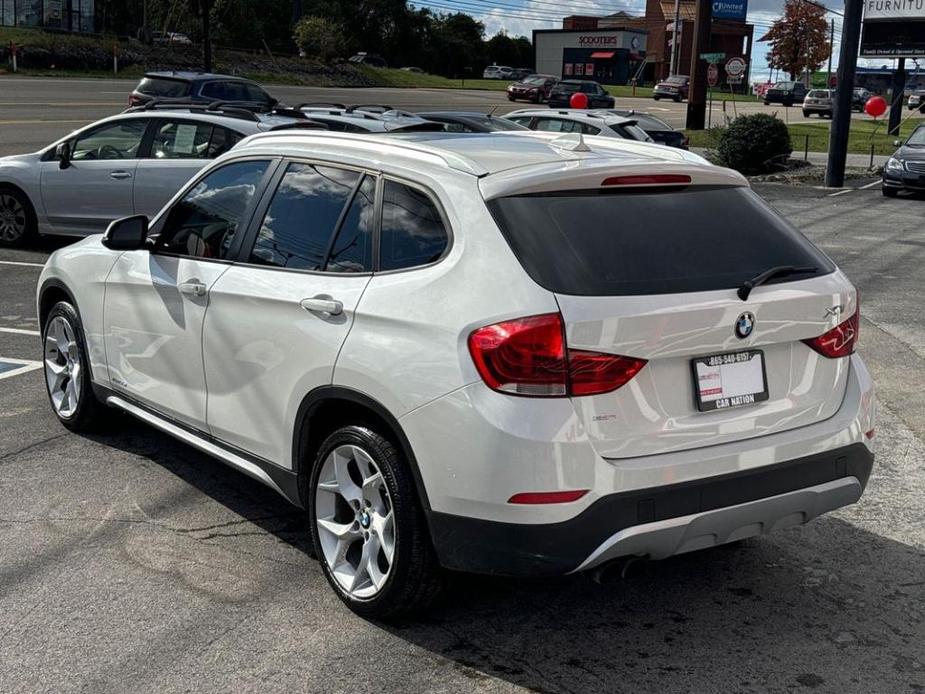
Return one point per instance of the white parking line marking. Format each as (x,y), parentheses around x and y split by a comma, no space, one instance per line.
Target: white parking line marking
(20,331)
(25,367)
(841,192)
(869,185)
(16,262)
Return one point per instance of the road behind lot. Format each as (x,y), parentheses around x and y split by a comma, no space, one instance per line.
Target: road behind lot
(129,562)
(34,112)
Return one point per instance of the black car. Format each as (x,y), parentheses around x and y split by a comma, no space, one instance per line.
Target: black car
(470,122)
(675,87)
(200,87)
(534,88)
(656,128)
(905,170)
(786,93)
(560,95)
(859,99)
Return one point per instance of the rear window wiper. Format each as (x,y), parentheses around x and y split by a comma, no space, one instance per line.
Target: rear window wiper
(771,273)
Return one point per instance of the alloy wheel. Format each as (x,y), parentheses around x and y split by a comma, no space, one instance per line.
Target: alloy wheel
(12,218)
(63,373)
(355,521)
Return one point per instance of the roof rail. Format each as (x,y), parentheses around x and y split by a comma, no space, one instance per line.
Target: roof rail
(300,125)
(370,108)
(453,160)
(321,104)
(217,107)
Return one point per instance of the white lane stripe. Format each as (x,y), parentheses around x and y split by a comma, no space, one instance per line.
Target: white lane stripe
(841,192)
(869,185)
(16,262)
(26,367)
(20,331)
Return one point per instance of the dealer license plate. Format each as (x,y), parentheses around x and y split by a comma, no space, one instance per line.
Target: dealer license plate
(722,381)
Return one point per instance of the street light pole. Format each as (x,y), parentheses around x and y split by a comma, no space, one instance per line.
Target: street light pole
(672,70)
(841,120)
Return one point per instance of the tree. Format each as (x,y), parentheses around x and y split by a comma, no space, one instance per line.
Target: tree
(319,38)
(800,39)
(203,10)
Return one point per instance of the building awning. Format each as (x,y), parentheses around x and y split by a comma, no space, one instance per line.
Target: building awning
(603,54)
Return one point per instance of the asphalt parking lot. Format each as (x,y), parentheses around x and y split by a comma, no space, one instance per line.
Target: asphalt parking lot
(130,562)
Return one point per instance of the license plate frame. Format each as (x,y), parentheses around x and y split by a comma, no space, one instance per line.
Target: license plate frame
(740,382)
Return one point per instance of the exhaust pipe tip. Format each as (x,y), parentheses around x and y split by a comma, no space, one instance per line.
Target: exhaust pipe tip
(620,569)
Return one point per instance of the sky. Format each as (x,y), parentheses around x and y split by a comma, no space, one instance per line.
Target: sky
(521,17)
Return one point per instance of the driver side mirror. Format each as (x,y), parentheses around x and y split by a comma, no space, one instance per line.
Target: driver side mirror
(63,154)
(127,234)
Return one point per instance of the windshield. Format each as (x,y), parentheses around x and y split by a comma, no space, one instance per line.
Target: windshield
(650,123)
(649,240)
(783,85)
(819,94)
(917,139)
(568,87)
(534,80)
(630,131)
(677,79)
(502,124)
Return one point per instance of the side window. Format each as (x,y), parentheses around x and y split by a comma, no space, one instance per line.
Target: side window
(120,140)
(550,125)
(412,231)
(175,140)
(589,129)
(215,90)
(254,93)
(204,222)
(353,249)
(457,128)
(302,216)
(222,140)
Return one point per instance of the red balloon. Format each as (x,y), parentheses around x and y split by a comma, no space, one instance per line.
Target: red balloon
(876,106)
(578,100)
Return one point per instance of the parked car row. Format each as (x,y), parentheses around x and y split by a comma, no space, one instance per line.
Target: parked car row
(503,72)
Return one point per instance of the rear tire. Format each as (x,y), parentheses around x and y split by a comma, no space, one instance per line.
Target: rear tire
(368,527)
(17,217)
(67,371)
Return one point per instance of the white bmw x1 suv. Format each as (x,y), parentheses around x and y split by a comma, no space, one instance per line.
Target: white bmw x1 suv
(503,353)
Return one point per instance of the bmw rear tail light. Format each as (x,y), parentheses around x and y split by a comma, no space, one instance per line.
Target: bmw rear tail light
(529,356)
(841,340)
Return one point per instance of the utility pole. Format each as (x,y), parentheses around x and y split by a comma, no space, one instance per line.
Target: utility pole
(672,69)
(841,120)
(828,78)
(697,92)
(896,106)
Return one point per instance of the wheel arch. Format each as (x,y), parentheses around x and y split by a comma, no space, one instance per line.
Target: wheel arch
(51,292)
(328,407)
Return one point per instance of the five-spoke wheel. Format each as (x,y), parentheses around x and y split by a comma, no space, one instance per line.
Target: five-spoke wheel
(63,372)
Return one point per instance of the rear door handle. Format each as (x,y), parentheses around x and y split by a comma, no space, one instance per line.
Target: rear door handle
(323,304)
(192,288)
(120,175)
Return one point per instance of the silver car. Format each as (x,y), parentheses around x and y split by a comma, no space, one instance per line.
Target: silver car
(132,163)
(820,102)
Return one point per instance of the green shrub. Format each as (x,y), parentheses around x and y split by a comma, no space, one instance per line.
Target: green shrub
(755,144)
(319,38)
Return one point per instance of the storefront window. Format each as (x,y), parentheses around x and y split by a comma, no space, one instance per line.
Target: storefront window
(53,14)
(7,16)
(86,16)
(75,15)
(29,13)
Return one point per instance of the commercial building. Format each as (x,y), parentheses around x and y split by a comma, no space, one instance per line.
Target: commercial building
(609,56)
(729,34)
(66,15)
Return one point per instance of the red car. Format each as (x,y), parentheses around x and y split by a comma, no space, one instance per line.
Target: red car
(533,88)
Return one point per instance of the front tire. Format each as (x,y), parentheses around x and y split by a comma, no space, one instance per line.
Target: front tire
(17,218)
(889,192)
(368,527)
(67,370)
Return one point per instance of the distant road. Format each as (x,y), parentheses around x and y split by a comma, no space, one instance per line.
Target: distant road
(36,111)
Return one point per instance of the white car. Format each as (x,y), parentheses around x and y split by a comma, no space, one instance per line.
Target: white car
(127,164)
(497,72)
(506,353)
(588,122)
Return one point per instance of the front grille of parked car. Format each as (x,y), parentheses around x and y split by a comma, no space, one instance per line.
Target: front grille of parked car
(915,166)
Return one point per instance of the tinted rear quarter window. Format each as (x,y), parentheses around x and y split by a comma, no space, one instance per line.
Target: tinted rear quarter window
(412,231)
(607,243)
(163,87)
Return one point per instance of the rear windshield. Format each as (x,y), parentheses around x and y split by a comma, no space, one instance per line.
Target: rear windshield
(159,86)
(819,94)
(607,243)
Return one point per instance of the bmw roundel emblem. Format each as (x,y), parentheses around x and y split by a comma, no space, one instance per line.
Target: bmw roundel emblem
(744,325)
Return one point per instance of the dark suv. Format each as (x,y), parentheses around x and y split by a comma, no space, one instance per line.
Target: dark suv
(561,94)
(675,87)
(786,93)
(201,87)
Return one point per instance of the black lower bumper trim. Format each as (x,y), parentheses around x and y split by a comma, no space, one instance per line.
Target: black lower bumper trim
(492,547)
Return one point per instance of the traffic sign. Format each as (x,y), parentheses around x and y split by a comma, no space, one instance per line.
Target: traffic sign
(712,58)
(712,74)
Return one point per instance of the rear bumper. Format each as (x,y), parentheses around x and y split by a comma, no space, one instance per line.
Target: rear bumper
(661,521)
